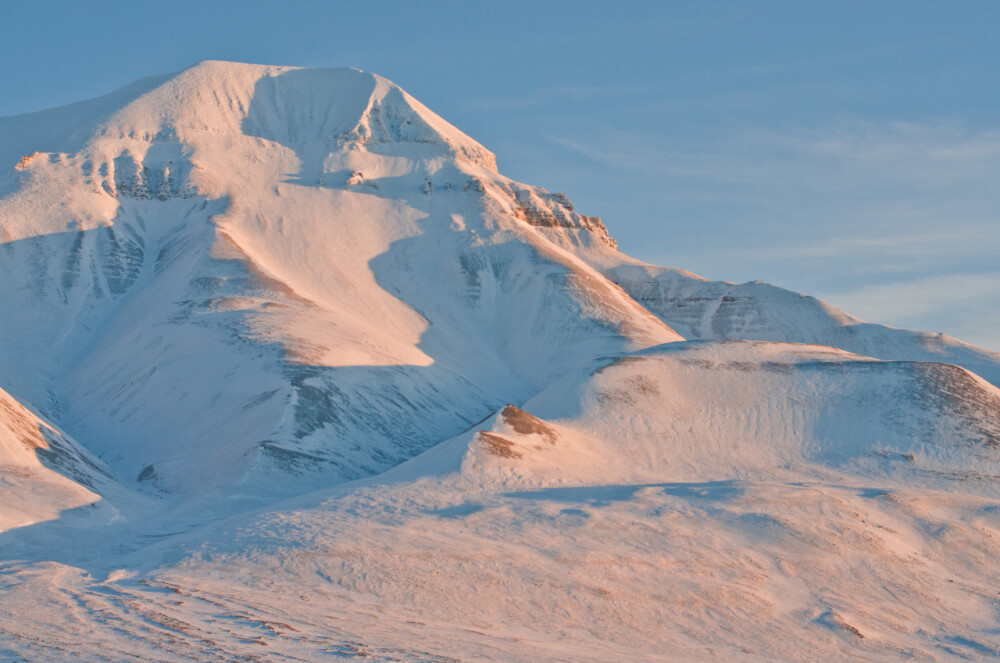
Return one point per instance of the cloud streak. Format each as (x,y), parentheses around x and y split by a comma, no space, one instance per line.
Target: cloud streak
(966,306)
(559,94)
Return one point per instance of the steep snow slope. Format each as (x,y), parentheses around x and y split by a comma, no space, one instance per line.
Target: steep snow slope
(252,272)
(61,130)
(747,501)
(43,473)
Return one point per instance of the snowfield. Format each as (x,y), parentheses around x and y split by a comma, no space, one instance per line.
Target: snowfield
(289,371)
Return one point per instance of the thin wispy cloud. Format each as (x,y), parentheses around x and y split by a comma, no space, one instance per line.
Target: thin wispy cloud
(967,304)
(901,154)
(558,94)
(924,295)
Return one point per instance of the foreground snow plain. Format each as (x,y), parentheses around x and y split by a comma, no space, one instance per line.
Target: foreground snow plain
(295,374)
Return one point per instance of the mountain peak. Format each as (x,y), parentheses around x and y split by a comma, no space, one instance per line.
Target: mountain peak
(296,107)
(219,128)
(307,229)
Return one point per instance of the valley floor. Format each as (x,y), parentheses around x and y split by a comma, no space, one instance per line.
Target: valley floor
(425,570)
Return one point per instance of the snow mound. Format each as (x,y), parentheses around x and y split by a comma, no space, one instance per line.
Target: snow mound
(737,410)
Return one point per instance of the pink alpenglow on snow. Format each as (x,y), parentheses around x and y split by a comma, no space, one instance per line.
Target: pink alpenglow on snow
(289,369)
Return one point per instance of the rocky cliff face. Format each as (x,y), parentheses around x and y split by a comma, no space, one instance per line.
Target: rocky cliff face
(540,208)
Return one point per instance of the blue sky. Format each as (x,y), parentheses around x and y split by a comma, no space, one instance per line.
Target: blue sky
(850,150)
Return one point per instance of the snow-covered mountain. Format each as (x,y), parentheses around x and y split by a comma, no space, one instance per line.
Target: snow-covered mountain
(250,271)
(239,284)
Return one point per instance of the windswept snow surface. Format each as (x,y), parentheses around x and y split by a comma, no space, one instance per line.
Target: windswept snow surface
(291,372)
(742,500)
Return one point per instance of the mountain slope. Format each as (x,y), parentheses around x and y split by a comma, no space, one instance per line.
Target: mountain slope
(733,501)
(737,410)
(44,474)
(249,273)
